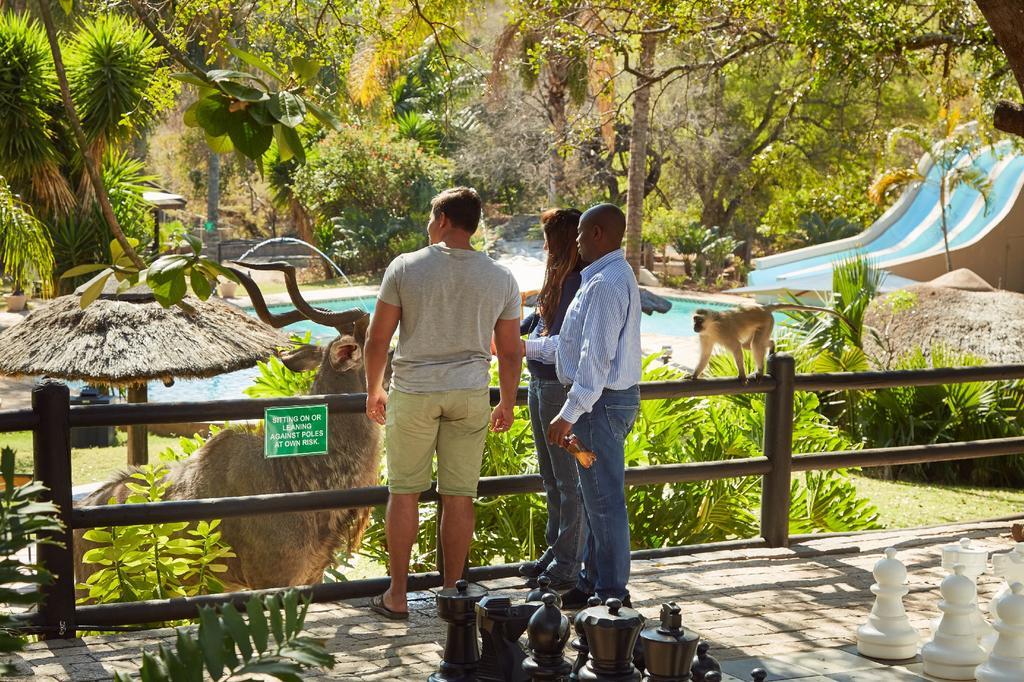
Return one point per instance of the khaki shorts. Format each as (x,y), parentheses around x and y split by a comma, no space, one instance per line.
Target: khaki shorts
(451,423)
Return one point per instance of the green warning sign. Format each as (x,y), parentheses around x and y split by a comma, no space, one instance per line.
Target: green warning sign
(295,431)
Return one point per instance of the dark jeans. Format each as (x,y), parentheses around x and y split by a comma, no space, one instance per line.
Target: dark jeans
(604,430)
(566,528)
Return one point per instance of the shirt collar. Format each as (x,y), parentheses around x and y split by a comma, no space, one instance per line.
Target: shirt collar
(601,263)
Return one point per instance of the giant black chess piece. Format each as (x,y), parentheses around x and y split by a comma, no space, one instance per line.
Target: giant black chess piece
(703,664)
(543,587)
(611,630)
(669,647)
(501,625)
(547,632)
(579,643)
(456,606)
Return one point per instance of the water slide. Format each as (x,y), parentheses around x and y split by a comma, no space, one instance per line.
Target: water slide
(907,240)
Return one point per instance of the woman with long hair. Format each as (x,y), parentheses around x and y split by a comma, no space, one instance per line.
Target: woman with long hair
(567,526)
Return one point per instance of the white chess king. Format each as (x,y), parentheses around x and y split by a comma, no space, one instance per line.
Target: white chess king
(888,634)
(954,652)
(1006,662)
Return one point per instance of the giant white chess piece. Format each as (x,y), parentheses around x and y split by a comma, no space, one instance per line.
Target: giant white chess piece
(954,652)
(888,634)
(1010,566)
(1006,662)
(975,562)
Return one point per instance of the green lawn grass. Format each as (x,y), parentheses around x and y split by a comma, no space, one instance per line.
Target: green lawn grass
(87,464)
(906,505)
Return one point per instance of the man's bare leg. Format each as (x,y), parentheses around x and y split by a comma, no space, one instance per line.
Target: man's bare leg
(401,524)
(457,519)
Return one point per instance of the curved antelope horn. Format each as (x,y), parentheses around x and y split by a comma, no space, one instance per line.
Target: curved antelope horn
(339,320)
(259,304)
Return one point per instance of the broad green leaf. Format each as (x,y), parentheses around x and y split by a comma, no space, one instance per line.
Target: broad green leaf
(79,270)
(289,144)
(236,628)
(94,288)
(243,92)
(213,115)
(305,69)
(210,640)
(276,622)
(194,242)
(325,117)
(221,75)
(220,145)
(250,138)
(189,117)
(257,624)
(190,79)
(287,108)
(200,285)
(252,60)
(260,114)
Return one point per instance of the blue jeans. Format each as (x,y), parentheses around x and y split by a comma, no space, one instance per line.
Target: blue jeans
(566,528)
(604,430)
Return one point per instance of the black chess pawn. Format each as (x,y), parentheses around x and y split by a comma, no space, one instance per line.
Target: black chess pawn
(579,642)
(547,633)
(758,674)
(703,664)
(611,630)
(456,606)
(669,648)
(543,587)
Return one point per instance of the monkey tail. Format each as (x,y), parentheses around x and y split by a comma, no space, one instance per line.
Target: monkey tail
(773,307)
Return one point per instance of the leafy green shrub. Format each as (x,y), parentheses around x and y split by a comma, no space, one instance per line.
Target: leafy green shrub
(374,186)
(154,561)
(186,446)
(25,520)
(228,647)
(277,381)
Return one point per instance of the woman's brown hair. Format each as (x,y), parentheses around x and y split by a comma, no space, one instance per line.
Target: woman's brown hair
(560,228)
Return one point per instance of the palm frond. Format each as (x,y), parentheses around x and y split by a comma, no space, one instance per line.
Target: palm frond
(908,133)
(892,178)
(973,177)
(26,251)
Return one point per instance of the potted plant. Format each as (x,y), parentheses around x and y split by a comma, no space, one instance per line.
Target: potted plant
(226,288)
(16,300)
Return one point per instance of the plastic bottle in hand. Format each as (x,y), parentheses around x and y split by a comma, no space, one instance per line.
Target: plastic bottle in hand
(584,457)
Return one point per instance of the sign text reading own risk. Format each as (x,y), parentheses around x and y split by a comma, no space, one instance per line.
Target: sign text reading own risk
(295,431)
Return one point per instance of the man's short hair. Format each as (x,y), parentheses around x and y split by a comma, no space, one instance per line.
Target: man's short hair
(462,205)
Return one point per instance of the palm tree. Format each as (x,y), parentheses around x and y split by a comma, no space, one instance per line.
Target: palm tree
(953,149)
(26,251)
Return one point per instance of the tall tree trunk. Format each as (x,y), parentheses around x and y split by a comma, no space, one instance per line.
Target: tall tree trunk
(638,138)
(212,187)
(945,230)
(1006,19)
(556,114)
(92,165)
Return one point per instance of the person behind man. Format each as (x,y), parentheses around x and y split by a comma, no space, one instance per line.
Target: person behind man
(447,300)
(566,527)
(597,354)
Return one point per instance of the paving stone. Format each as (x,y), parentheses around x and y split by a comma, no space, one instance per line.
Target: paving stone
(777,669)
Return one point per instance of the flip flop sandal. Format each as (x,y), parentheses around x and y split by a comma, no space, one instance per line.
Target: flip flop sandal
(377,606)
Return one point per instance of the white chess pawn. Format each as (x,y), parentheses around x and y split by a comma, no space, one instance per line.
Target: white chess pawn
(975,562)
(888,634)
(954,652)
(1006,662)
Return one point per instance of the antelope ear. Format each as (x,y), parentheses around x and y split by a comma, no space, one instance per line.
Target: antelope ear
(303,358)
(344,353)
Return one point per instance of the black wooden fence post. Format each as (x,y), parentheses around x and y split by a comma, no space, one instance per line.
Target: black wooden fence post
(52,463)
(778,448)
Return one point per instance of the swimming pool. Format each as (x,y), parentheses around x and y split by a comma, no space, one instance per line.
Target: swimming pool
(676,322)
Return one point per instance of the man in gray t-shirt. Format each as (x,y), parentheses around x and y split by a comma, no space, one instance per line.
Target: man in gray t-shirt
(446,300)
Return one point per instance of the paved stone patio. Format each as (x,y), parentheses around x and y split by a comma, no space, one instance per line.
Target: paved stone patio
(792,611)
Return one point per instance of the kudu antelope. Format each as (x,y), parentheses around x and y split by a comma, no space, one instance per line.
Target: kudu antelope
(282,549)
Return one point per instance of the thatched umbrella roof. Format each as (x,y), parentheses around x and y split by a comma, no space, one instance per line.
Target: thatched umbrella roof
(986,323)
(127,339)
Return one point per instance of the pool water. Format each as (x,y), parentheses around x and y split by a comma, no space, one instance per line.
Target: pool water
(677,322)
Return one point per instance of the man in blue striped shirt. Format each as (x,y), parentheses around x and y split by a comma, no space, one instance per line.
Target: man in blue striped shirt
(597,354)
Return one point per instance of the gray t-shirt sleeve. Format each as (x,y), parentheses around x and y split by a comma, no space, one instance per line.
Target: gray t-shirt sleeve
(389,285)
(513,305)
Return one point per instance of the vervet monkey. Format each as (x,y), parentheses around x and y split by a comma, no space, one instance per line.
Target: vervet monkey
(748,327)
